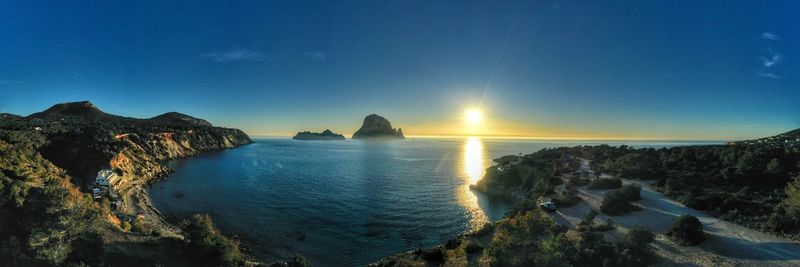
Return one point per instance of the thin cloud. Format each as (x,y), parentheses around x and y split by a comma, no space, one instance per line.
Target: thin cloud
(317,56)
(770,36)
(236,55)
(769,62)
(9,82)
(768,75)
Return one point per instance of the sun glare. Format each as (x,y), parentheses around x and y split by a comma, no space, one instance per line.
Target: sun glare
(473,116)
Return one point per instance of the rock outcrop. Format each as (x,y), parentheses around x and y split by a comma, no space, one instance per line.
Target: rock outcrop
(377,127)
(324,135)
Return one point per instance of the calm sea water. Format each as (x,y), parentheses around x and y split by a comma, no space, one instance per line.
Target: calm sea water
(343,203)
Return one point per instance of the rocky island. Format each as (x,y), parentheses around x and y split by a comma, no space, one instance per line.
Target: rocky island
(377,127)
(324,135)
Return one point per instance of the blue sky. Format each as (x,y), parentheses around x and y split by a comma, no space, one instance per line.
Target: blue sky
(598,69)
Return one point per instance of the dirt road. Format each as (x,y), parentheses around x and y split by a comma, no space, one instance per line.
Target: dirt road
(727,244)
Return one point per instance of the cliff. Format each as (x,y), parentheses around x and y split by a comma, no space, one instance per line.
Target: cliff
(49,160)
(377,127)
(324,135)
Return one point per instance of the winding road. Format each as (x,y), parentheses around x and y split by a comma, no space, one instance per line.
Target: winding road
(727,244)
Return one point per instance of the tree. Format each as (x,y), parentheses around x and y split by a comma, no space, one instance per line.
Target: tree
(634,249)
(631,192)
(792,201)
(588,219)
(207,245)
(616,203)
(687,230)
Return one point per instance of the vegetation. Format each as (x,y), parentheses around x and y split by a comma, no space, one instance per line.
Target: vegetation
(529,237)
(605,183)
(207,246)
(567,198)
(687,230)
(750,182)
(618,202)
(47,218)
(44,219)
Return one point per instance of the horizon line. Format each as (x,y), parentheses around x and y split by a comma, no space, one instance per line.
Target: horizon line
(538,138)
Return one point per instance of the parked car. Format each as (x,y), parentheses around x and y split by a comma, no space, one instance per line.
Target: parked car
(548,206)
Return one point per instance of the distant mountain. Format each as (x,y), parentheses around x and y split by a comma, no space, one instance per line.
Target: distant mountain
(324,135)
(377,127)
(83,109)
(180,119)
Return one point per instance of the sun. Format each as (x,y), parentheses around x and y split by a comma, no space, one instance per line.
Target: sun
(473,116)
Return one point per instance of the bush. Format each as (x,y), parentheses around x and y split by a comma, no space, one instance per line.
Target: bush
(140,226)
(605,183)
(567,198)
(473,247)
(616,203)
(588,219)
(631,192)
(433,254)
(207,245)
(687,230)
(634,249)
(453,243)
(298,261)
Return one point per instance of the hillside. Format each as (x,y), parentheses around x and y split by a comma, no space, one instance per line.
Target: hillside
(47,168)
(180,119)
(753,183)
(790,139)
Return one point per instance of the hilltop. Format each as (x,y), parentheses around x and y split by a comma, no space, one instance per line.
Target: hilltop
(180,118)
(48,162)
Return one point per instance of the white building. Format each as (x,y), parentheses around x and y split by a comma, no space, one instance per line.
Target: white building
(106,177)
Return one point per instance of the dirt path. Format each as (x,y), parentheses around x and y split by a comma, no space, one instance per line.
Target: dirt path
(727,243)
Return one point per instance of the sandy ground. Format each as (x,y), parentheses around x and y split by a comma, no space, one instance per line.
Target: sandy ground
(727,244)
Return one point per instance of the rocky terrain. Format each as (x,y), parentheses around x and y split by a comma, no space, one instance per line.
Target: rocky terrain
(324,135)
(60,150)
(377,127)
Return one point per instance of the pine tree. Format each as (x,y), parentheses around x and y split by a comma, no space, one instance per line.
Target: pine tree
(792,200)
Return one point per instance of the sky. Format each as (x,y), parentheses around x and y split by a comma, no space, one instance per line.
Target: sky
(698,70)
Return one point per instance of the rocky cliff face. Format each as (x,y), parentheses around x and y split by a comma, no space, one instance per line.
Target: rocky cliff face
(50,158)
(377,127)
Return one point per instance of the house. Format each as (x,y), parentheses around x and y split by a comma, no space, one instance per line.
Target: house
(106,177)
(97,193)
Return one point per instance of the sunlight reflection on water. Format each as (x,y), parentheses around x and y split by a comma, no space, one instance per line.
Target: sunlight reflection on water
(472,165)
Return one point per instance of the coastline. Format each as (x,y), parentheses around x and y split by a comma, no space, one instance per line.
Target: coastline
(137,204)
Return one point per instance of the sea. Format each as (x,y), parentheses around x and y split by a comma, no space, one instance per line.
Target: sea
(350,202)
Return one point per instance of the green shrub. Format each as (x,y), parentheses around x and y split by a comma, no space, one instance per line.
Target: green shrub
(433,254)
(631,192)
(687,230)
(605,183)
(298,261)
(473,247)
(634,249)
(140,226)
(616,203)
(207,245)
(567,198)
